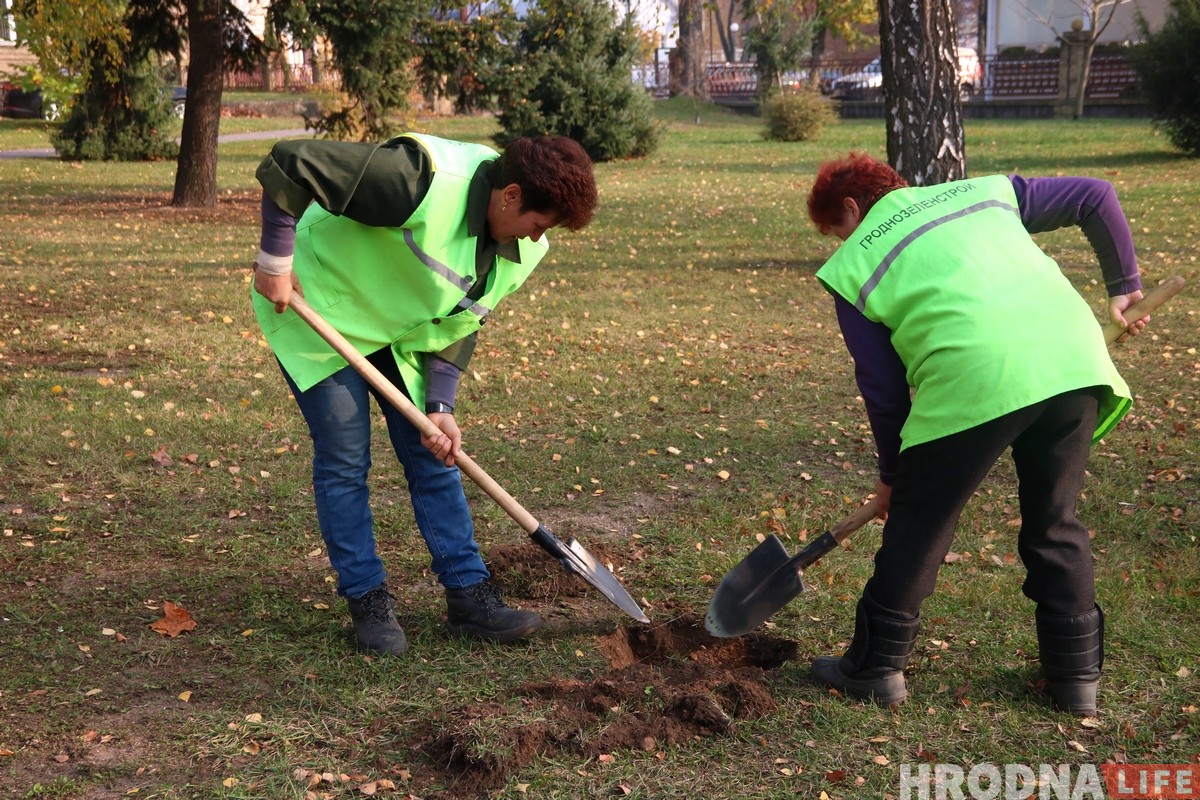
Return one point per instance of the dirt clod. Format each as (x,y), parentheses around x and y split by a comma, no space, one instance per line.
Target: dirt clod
(667,683)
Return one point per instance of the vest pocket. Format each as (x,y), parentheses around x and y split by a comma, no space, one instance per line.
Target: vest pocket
(318,290)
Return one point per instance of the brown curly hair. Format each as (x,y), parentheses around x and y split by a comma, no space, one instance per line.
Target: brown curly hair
(555,176)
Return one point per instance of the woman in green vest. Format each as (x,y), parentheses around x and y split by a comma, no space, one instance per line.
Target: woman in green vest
(405,248)
(967,341)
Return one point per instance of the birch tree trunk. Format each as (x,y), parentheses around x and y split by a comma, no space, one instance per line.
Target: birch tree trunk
(923,110)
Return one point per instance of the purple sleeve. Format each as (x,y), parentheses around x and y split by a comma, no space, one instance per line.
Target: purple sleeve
(882,380)
(278,229)
(441,380)
(1091,204)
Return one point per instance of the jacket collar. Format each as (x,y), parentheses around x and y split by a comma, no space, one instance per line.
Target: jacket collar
(479,194)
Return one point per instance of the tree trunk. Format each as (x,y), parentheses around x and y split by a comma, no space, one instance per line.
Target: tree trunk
(1085,74)
(690,50)
(196,173)
(920,90)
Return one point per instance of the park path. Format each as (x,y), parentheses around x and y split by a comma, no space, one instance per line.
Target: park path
(48,152)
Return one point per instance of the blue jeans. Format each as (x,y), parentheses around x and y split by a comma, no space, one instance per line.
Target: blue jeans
(338,413)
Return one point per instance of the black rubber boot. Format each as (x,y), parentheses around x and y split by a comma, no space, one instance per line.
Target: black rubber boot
(873,666)
(375,623)
(1072,653)
(479,611)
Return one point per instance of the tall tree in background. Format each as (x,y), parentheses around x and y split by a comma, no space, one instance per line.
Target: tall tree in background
(70,36)
(1170,82)
(219,37)
(688,59)
(572,76)
(919,54)
(778,36)
(112,46)
(464,55)
(374,43)
(839,19)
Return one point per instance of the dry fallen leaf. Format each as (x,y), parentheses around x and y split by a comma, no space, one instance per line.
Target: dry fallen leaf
(175,620)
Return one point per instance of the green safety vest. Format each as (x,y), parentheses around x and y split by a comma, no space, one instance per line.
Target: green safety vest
(983,320)
(404,287)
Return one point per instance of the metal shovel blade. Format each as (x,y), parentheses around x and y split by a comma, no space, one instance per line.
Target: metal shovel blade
(768,579)
(756,587)
(577,559)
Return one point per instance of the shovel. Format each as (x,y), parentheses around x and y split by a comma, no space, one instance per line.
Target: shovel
(572,555)
(768,578)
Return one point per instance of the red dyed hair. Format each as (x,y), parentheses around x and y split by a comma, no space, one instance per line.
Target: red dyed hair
(859,177)
(555,176)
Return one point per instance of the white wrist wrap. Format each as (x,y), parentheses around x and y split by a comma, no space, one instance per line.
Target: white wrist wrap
(273,265)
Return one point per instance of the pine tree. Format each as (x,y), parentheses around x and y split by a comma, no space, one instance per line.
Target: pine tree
(1166,64)
(572,75)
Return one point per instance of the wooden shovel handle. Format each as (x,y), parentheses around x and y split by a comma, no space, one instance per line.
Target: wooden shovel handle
(414,415)
(861,516)
(1149,302)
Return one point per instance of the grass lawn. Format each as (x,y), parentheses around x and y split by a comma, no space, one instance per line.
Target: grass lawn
(668,387)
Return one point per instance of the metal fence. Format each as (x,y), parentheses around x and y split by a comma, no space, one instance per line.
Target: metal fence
(271,77)
(1032,78)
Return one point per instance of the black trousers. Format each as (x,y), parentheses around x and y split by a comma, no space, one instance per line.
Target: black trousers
(1050,443)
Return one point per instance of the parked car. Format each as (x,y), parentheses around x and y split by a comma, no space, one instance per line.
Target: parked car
(178,100)
(867,83)
(970,72)
(18,103)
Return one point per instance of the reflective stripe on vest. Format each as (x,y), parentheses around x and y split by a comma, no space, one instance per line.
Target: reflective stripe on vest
(881,270)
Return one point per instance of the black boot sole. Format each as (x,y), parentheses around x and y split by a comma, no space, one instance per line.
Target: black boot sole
(886,690)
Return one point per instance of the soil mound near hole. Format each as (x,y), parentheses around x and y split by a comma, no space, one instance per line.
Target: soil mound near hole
(529,572)
(668,683)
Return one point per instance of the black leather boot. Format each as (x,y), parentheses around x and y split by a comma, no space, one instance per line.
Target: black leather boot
(1072,653)
(873,666)
(480,612)
(375,623)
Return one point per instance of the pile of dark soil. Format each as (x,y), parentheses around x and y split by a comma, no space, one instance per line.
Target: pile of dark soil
(668,683)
